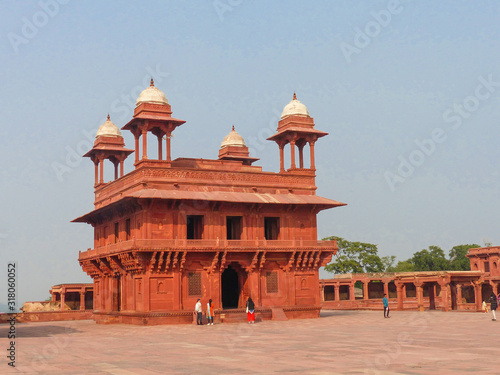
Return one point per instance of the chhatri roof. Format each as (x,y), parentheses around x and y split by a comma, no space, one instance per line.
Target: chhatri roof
(233,139)
(108,129)
(295,107)
(152,95)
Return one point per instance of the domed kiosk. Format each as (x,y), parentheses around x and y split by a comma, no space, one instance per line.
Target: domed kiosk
(296,128)
(233,147)
(109,144)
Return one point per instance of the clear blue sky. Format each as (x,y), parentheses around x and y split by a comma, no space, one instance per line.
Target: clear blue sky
(421,72)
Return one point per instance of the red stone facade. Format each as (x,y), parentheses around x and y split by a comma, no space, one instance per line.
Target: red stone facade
(172,231)
(445,290)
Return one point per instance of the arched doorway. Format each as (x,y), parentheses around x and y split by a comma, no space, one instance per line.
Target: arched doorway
(230,288)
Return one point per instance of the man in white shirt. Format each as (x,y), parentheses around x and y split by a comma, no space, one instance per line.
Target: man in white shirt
(199,312)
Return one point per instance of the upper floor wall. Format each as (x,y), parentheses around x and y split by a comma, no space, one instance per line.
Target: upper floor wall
(175,220)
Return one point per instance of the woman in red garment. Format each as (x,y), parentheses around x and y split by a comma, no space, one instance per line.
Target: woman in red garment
(250,311)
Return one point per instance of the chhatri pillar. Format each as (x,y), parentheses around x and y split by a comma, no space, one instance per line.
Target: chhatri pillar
(296,127)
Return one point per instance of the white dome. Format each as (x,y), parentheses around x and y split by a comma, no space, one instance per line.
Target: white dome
(233,139)
(295,107)
(108,129)
(152,95)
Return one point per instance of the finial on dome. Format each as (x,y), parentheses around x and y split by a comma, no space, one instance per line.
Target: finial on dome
(108,117)
(294,96)
(152,82)
(233,128)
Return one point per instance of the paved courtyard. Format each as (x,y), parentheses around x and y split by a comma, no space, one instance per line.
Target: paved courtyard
(340,342)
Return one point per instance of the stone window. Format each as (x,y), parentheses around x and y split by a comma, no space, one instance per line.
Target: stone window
(194,284)
(272,282)
(194,227)
(486,266)
(117,232)
(234,227)
(160,288)
(271,228)
(105,236)
(127,229)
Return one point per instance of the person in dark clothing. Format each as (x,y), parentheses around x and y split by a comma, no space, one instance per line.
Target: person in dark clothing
(385,302)
(494,305)
(250,311)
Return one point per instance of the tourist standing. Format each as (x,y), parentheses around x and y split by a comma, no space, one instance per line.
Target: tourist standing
(199,313)
(250,311)
(210,312)
(485,307)
(494,305)
(385,301)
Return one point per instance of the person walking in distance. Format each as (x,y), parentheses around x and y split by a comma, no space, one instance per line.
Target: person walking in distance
(385,301)
(250,311)
(199,312)
(210,312)
(494,305)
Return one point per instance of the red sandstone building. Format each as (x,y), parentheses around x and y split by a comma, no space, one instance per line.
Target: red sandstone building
(172,231)
(445,290)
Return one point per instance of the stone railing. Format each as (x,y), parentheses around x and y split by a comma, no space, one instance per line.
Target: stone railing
(204,245)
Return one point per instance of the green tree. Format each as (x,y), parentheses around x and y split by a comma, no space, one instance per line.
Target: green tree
(388,261)
(458,260)
(402,266)
(431,259)
(356,257)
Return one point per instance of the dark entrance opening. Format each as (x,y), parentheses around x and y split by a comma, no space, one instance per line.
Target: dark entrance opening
(230,288)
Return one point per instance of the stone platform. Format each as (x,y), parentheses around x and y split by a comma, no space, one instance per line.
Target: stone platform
(340,342)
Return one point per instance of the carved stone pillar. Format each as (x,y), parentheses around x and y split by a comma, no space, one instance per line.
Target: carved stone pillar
(282,158)
(311,149)
(169,157)
(401,296)
(96,163)
(144,144)
(292,154)
(352,295)
(136,137)
(82,300)
(63,298)
(459,295)
(445,295)
(477,295)
(420,296)
(365,289)
(337,292)
(160,146)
